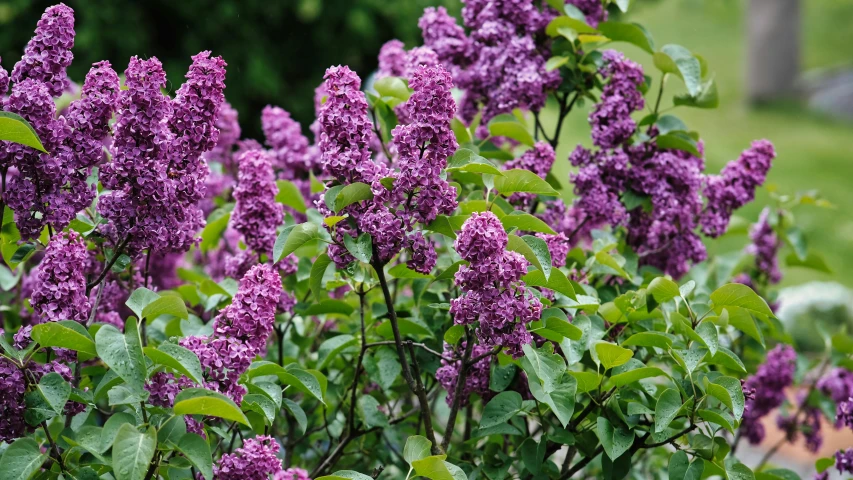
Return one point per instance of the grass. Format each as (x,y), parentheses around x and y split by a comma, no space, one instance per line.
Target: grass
(813,152)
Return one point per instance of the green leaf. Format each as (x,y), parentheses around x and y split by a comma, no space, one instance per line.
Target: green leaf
(508,126)
(549,383)
(814,261)
(609,261)
(416,448)
(298,414)
(301,380)
(822,464)
(615,441)
(666,409)
(352,193)
(123,353)
(361,248)
(315,279)
(133,452)
(716,418)
(21,459)
(679,141)
(171,432)
(402,271)
(632,33)
(345,475)
(454,334)
(331,348)
(649,339)
(435,468)
(738,295)
(517,244)
(662,290)
(679,61)
(124,395)
(292,238)
(165,305)
(139,299)
(325,307)
(587,381)
(738,471)
(177,358)
(261,404)
(392,87)
(407,328)
(557,282)
(13,128)
(200,401)
(708,97)
(632,376)
(555,62)
(466,160)
(524,181)
(198,453)
(743,321)
(729,391)
(526,222)
(55,391)
(728,359)
(368,410)
(680,467)
(553,28)
(290,195)
(610,355)
(708,332)
(500,409)
(64,334)
(216,224)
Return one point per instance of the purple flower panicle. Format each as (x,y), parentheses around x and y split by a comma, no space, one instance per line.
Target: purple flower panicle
(60,290)
(48,53)
(255,460)
(257,214)
(769,384)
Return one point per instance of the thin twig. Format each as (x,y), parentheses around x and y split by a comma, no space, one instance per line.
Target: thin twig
(457,392)
(109,265)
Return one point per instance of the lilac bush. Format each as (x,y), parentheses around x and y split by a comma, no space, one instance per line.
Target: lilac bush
(183,302)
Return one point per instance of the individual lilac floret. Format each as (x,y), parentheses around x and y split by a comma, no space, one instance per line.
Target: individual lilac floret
(256,213)
(255,460)
(477,375)
(844,460)
(611,120)
(765,245)
(392,59)
(292,473)
(60,290)
(48,53)
(493,294)
(769,384)
(13,385)
(735,186)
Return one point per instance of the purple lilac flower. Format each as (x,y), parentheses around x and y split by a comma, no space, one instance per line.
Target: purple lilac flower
(444,36)
(424,145)
(837,384)
(735,186)
(240,331)
(611,120)
(558,247)
(163,389)
(392,59)
(292,473)
(844,413)
(844,460)
(255,460)
(477,376)
(769,383)
(163,269)
(593,10)
(493,293)
(12,407)
(256,214)
(765,245)
(4,80)
(423,256)
(60,290)
(48,53)
(598,183)
(293,159)
(228,124)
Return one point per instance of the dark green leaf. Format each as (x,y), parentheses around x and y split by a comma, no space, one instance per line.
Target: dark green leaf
(293,237)
(290,195)
(315,279)
(177,358)
(133,452)
(368,410)
(501,409)
(466,160)
(526,222)
(331,348)
(139,299)
(632,376)
(123,352)
(633,33)
(361,248)
(198,453)
(678,141)
(666,409)
(200,401)
(615,441)
(21,459)
(64,334)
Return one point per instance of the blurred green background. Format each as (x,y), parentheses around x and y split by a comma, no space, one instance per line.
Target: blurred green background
(277,52)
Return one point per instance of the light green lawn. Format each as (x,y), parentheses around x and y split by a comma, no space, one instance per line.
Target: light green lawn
(813,152)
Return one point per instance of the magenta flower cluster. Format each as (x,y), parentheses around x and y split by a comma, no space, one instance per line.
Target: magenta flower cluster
(48,53)
(255,460)
(765,245)
(157,175)
(494,297)
(256,213)
(60,288)
(768,384)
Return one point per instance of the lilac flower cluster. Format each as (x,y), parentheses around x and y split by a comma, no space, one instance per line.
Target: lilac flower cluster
(765,245)
(228,124)
(769,384)
(611,120)
(538,160)
(48,53)
(240,332)
(395,61)
(293,156)
(844,461)
(499,65)
(838,386)
(844,413)
(60,289)
(292,473)
(12,407)
(255,460)
(4,80)
(477,376)
(157,174)
(593,10)
(494,294)
(256,214)
(809,424)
